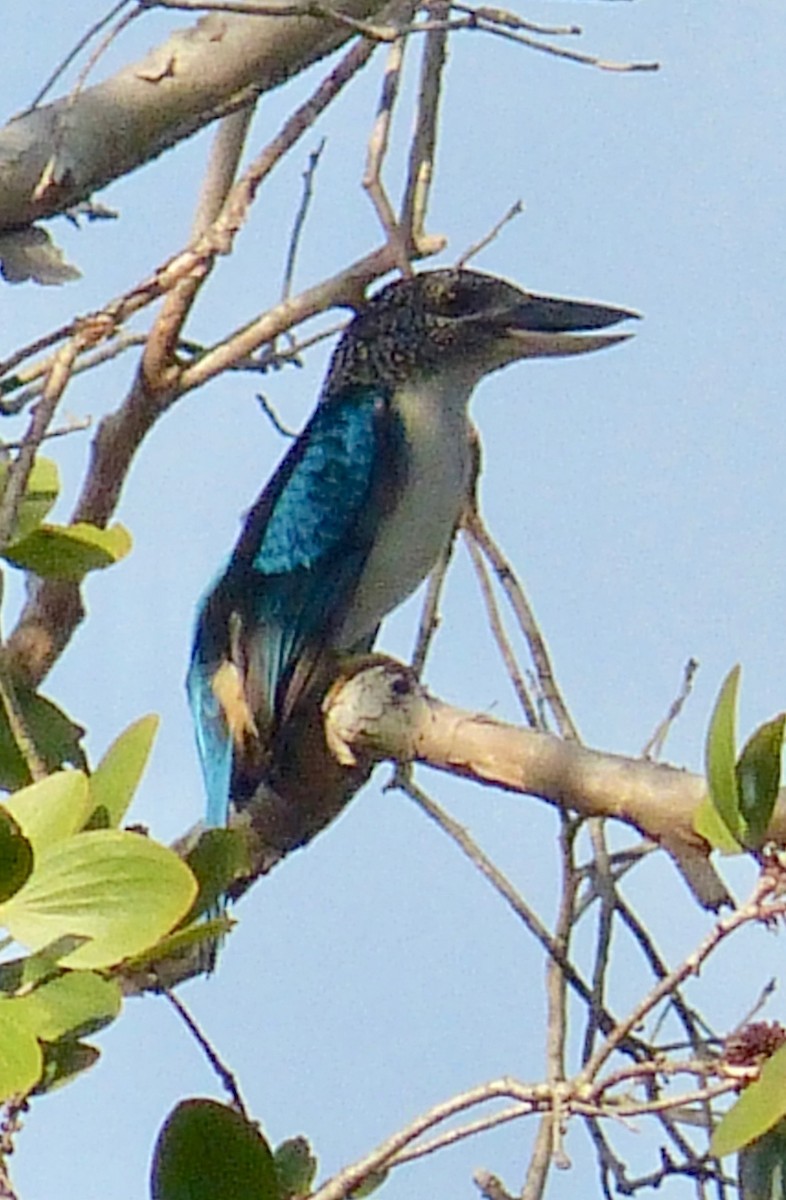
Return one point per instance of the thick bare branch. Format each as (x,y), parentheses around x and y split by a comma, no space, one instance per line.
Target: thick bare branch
(55,156)
(383,711)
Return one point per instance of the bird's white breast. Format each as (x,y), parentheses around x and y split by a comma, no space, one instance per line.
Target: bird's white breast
(413,534)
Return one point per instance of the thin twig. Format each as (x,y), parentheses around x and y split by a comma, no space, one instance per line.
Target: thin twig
(378,146)
(539,1160)
(586,60)
(429,615)
(345,1181)
(762,905)
(505,888)
(420,170)
(37,372)
(503,16)
(606,893)
(19,471)
(654,747)
(527,623)
(500,636)
(195,259)
(300,219)
(72,54)
(103,46)
(515,210)
(659,969)
(48,178)
(499,22)
(459,1134)
(556,992)
(75,425)
(223,1072)
(274,418)
(225,154)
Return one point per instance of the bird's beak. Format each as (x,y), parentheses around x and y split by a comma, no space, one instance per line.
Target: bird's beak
(543,326)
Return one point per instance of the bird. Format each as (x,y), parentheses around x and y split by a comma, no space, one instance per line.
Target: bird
(352,521)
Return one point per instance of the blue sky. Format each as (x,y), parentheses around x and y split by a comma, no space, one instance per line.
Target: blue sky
(638,492)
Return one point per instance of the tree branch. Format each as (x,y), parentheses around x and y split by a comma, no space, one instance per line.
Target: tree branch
(53,157)
(381,710)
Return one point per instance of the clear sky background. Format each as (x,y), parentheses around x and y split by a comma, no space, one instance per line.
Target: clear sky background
(639,493)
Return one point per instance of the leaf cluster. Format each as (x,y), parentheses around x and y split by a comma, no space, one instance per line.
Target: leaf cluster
(82,895)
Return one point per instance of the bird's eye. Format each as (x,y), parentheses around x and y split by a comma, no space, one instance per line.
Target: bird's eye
(451,300)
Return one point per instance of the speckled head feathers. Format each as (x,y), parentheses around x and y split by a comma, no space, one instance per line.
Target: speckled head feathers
(437,319)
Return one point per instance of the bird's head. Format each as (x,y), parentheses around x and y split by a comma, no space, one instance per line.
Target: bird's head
(460,320)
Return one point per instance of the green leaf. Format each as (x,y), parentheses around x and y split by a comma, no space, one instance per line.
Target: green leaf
(707,822)
(182,940)
(26,972)
(760,1106)
(369,1185)
(219,858)
(759,778)
(41,492)
(207,1151)
(720,757)
(64,1060)
(69,551)
(120,889)
(117,776)
(76,1003)
(762,1166)
(296,1167)
(16,856)
(51,810)
(21,1060)
(55,736)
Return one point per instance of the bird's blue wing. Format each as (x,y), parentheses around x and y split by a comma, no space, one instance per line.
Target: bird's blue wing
(266,622)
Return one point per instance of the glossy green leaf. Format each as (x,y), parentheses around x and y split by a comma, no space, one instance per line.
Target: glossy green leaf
(761,1105)
(762,1166)
(56,737)
(219,858)
(72,1005)
(296,1167)
(51,810)
(117,776)
(21,1060)
(720,757)
(121,890)
(41,492)
(69,551)
(16,856)
(207,1151)
(63,1061)
(759,778)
